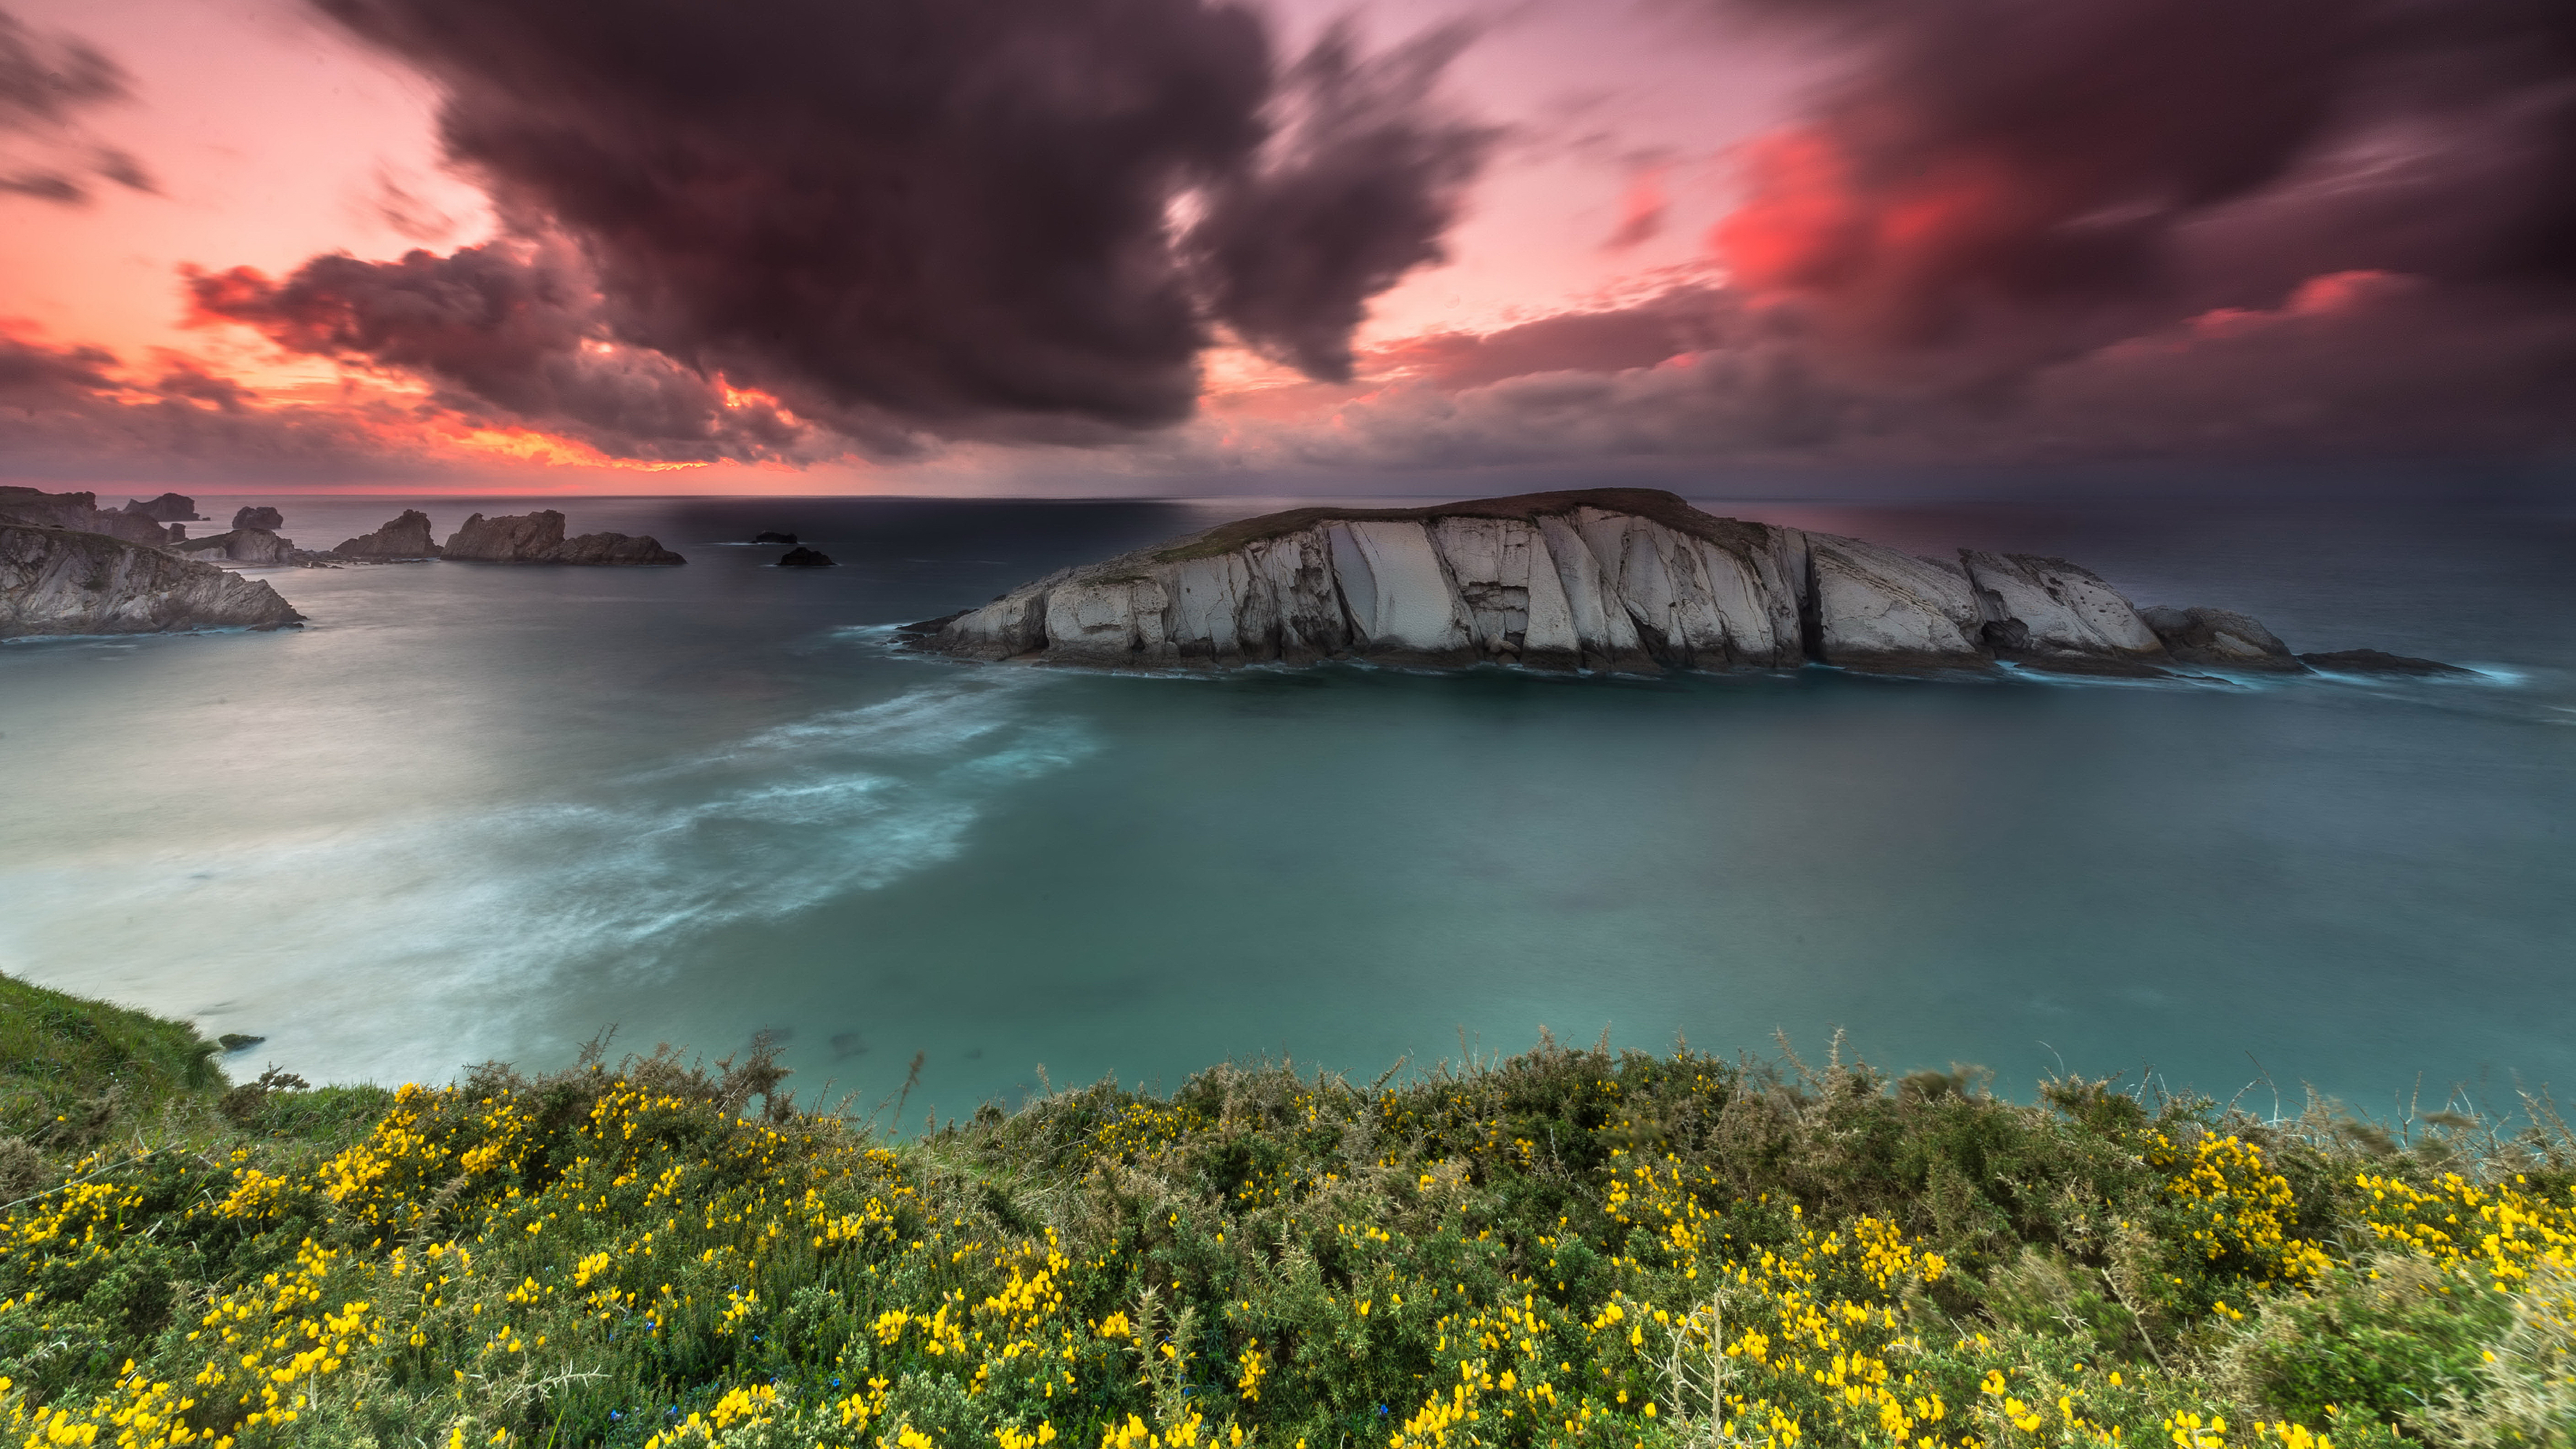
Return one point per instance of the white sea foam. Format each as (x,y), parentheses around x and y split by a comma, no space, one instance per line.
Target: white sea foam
(401,951)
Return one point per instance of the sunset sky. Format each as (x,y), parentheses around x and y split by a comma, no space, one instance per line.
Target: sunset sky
(1184,246)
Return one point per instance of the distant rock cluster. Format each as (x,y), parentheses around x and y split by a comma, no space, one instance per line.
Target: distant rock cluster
(539,538)
(1612,579)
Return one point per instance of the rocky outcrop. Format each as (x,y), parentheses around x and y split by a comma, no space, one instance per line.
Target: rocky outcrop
(1602,579)
(81,511)
(539,538)
(771,535)
(69,581)
(172,508)
(259,517)
(242,546)
(404,539)
(2219,637)
(614,548)
(804,558)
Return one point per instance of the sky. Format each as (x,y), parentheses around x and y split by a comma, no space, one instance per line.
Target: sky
(1197,246)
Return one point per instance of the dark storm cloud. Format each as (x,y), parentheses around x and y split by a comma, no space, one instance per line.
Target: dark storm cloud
(510,332)
(955,218)
(46,82)
(2022,175)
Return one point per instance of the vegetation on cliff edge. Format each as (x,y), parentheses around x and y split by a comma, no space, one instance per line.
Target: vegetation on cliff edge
(1566,1247)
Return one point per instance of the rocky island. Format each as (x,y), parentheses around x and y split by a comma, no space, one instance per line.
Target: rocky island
(539,538)
(1613,579)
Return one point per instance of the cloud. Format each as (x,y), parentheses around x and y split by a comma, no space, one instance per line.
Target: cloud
(995,219)
(46,84)
(2007,181)
(510,332)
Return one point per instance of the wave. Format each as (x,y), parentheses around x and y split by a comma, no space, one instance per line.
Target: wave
(405,949)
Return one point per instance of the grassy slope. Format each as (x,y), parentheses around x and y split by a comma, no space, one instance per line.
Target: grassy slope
(1531,1251)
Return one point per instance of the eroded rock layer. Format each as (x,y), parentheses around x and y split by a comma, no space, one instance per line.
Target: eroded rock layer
(1605,579)
(67,581)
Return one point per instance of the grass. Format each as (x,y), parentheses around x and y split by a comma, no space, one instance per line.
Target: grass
(1567,1247)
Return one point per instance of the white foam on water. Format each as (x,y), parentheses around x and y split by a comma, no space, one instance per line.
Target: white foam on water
(403,948)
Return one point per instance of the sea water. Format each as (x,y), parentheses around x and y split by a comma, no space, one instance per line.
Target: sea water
(487,812)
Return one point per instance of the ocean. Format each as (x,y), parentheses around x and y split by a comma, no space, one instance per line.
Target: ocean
(480,812)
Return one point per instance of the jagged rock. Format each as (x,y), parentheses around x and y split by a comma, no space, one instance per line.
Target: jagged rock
(241,545)
(2371,661)
(178,532)
(539,538)
(81,511)
(67,581)
(2221,638)
(2049,612)
(773,536)
(405,538)
(172,508)
(1876,608)
(259,517)
(804,558)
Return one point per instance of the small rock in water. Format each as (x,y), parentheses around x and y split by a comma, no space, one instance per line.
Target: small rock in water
(233,1041)
(771,535)
(2371,661)
(805,558)
(262,517)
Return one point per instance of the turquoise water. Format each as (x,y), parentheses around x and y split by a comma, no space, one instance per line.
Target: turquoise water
(483,812)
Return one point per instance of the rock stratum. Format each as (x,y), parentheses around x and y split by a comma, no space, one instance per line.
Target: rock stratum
(539,538)
(1613,579)
(75,581)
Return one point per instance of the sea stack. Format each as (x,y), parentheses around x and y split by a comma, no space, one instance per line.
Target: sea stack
(405,539)
(1620,579)
(259,517)
(539,538)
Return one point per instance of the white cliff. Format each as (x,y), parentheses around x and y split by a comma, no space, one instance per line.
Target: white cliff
(1601,579)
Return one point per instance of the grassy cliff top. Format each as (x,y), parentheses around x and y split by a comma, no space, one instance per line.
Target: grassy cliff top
(1570,1247)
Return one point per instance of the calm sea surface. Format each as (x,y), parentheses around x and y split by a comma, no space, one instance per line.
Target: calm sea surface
(484,812)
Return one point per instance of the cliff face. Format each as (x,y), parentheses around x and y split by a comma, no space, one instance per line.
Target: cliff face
(406,537)
(64,581)
(241,545)
(1597,579)
(539,538)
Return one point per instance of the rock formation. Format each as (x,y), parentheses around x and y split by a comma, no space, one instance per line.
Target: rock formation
(168,508)
(1604,579)
(242,545)
(804,558)
(260,517)
(2371,661)
(539,538)
(405,538)
(81,511)
(69,581)
(767,535)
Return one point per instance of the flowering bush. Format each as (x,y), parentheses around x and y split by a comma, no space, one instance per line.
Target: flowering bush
(1567,1248)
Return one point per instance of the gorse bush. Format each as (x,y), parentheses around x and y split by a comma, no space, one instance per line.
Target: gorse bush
(1567,1247)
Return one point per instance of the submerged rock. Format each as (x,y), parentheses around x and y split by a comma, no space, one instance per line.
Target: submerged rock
(68,581)
(2371,661)
(404,539)
(773,536)
(804,558)
(259,517)
(1603,579)
(539,538)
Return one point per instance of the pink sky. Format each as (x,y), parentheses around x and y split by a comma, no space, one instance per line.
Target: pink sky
(1687,238)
